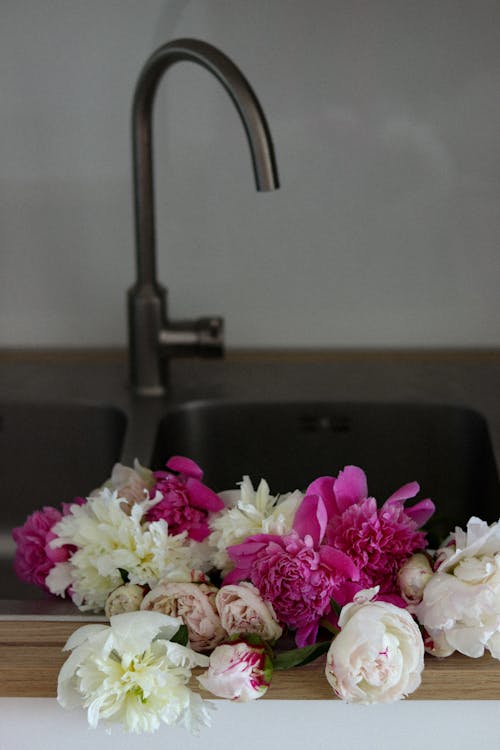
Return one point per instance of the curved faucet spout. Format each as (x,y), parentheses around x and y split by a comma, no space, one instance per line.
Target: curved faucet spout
(150,332)
(249,109)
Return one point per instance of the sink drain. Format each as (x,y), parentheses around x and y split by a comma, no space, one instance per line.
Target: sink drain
(324,423)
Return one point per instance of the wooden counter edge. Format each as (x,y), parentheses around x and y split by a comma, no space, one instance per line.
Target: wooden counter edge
(31,657)
(118,355)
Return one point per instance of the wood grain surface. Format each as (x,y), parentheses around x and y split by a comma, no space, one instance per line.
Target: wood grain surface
(31,657)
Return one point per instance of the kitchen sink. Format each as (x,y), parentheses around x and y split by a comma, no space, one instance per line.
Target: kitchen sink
(447,449)
(64,424)
(49,452)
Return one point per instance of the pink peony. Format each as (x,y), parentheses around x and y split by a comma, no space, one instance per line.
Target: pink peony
(34,557)
(186,503)
(379,540)
(296,573)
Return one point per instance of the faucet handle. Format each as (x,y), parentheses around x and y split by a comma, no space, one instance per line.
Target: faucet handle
(211,336)
(203,337)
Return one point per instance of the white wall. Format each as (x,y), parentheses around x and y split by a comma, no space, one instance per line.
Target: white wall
(320,725)
(385,116)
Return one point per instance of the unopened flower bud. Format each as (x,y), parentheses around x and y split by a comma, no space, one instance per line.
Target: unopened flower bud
(125,598)
(239,670)
(413,578)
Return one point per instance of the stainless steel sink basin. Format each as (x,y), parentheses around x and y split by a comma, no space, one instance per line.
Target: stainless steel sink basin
(65,423)
(48,453)
(446,449)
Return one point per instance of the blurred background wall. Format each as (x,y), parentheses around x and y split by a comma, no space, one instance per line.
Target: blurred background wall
(385,116)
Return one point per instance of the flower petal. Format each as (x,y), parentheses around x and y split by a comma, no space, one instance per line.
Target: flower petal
(405,492)
(421,512)
(136,630)
(324,487)
(339,562)
(351,487)
(201,496)
(311,519)
(186,466)
(306,635)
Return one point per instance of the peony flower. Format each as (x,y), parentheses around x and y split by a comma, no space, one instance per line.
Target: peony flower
(125,598)
(194,603)
(378,656)
(34,558)
(379,540)
(413,578)
(131,673)
(296,573)
(133,485)
(437,646)
(242,610)
(460,608)
(108,539)
(239,671)
(250,512)
(185,503)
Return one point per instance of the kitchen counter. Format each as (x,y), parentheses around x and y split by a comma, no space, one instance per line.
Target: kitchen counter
(32,657)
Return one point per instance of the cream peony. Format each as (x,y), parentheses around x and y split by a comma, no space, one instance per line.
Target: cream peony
(108,539)
(194,603)
(249,512)
(460,609)
(131,673)
(378,656)
(242,610)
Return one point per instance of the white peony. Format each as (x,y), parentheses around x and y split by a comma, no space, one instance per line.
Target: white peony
(109,538)
(378,656)
(249,512)
(460,609)
(131,673)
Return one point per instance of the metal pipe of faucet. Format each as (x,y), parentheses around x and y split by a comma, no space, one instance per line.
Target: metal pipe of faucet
(152,337)
(247,105)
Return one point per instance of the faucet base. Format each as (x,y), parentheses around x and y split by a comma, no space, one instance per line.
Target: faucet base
(146,318)
(154,339)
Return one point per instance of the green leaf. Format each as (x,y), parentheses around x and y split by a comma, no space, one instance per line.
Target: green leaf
(328,626)
(181,636)
(335,607)
(124,575)
(297,657)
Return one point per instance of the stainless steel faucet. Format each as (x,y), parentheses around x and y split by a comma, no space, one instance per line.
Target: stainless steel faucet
(153,337)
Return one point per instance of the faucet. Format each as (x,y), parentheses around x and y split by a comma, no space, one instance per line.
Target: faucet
(153,338)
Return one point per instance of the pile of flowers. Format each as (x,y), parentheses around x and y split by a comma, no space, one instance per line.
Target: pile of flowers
(192,579)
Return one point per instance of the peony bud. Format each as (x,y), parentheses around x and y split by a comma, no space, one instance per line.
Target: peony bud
(413,578)
(126,598)
(239,670)
(242,610)
(195,604)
